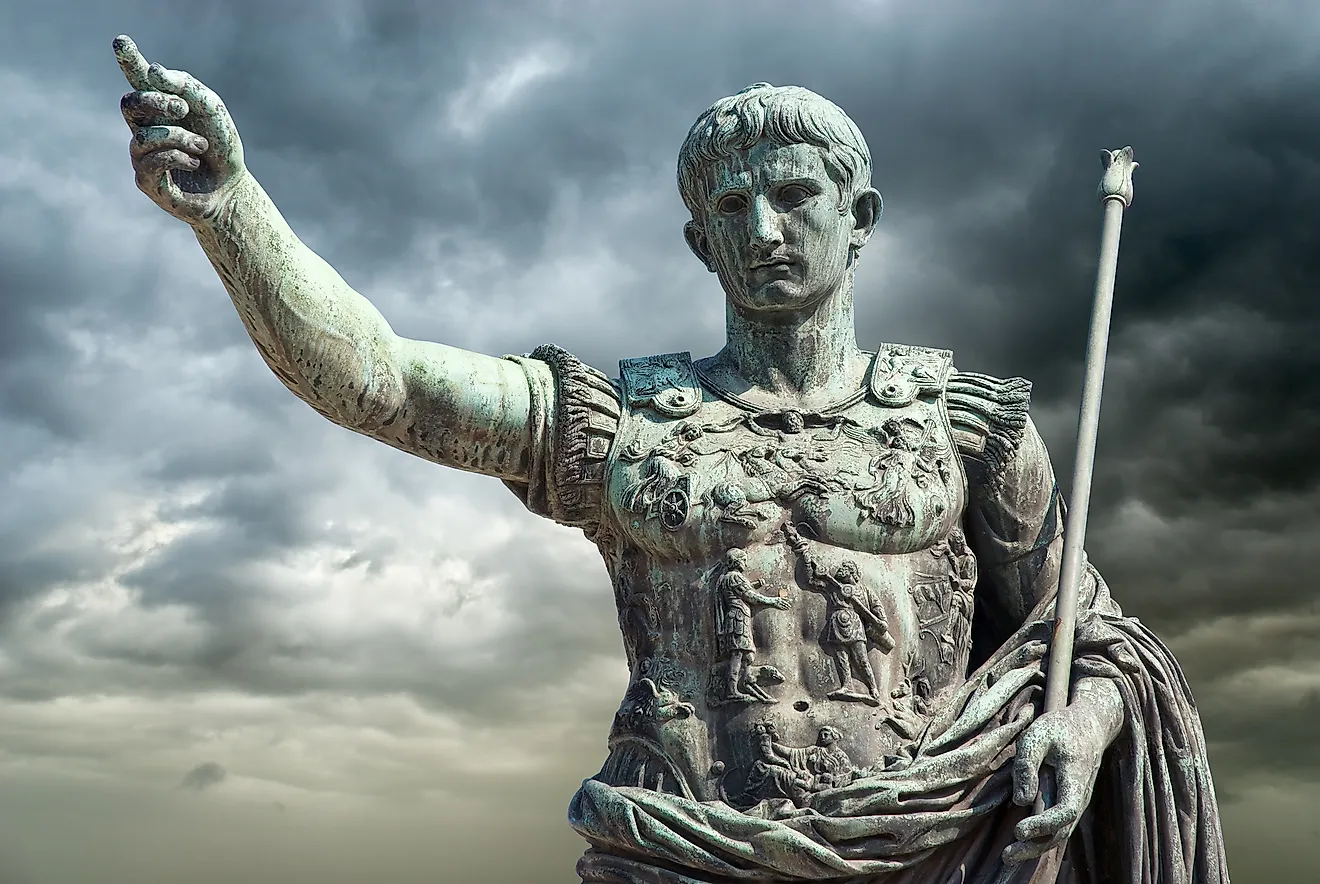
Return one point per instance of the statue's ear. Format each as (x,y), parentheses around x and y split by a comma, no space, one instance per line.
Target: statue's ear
(866,213)
(697,242)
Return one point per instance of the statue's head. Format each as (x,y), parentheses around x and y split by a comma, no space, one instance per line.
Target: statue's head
(735,559)
(827,736)
(847,572)
(778,181)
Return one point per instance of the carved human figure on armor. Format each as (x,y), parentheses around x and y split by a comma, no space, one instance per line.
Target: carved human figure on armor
(854,618)
(735,594)
(782,771)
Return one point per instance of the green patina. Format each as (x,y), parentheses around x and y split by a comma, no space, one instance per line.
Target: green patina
(835,566)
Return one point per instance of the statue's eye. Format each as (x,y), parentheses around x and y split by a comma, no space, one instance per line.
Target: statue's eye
(794,194)
(731,204)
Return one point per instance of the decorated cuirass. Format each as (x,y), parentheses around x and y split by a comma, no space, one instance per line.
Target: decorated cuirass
(798,594)
(794,588)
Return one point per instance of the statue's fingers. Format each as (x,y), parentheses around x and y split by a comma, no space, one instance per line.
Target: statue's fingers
(152,167)
(1044,831)
(150,139)
(210,116)
(155,178)
(1047,823)
(1021,851)
(183,84)
(131,62)
(151,108)
(1031,750)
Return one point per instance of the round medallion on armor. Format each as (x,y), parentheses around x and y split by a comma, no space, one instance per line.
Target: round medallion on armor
(673,509)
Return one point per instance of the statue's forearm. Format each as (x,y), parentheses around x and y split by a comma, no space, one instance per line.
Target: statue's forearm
(325,342)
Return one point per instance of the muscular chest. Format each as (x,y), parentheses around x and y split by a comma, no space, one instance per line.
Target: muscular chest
(876,480)
(807,567)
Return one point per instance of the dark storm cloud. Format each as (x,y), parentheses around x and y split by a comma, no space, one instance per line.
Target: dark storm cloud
(499,175)
(204,776)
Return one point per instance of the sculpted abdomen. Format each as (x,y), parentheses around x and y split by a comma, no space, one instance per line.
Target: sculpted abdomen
(784,580)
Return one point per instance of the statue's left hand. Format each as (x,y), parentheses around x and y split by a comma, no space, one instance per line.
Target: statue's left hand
(1071,742)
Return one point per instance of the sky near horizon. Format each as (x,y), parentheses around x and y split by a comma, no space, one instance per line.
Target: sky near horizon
(238,642)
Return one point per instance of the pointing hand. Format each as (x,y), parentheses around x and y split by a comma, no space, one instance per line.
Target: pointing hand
(185,149)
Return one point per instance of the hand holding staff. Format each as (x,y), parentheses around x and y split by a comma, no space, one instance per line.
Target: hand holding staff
(1051,821)
(1115,193)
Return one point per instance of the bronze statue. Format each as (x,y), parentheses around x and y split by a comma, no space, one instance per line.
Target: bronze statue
(906,512)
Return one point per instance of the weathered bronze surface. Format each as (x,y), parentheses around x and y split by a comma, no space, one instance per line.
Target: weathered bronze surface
(834,566)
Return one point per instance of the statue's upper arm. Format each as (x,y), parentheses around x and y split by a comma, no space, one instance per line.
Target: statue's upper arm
(462,409)
(543,423)
(1013,517)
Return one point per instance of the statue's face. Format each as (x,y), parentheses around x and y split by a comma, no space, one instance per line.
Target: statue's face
(772,229)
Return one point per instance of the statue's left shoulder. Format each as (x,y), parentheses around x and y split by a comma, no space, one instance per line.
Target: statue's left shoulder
(902,372)
(989,417)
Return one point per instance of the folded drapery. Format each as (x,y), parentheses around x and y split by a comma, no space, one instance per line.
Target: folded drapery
(943,812)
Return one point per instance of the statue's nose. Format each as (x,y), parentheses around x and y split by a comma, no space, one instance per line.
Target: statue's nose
(765,226)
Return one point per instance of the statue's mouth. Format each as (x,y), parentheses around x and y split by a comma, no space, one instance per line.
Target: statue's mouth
(772,262)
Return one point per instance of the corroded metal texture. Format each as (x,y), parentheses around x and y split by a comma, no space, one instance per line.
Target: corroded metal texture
(835,567)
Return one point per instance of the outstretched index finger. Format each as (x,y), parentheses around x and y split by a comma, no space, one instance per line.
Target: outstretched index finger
(131,62)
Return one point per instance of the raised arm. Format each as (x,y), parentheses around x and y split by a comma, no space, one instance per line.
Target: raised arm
(324,341)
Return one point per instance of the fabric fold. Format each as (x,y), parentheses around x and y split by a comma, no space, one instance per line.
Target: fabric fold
(945,814)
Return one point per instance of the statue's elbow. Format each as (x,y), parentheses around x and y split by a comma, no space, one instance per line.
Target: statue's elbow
(365,403)
(378,408)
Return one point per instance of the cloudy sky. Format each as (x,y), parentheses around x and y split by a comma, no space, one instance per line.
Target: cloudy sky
(240,643)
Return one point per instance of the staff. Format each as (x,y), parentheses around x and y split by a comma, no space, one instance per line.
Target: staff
(1115,193)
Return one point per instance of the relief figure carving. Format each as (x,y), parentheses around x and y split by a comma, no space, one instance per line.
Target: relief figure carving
(948,601)
(911,453)
(663,492)
(652,699)
(854,620)
(910,701)
(637,752)
(735,594)
(782,771)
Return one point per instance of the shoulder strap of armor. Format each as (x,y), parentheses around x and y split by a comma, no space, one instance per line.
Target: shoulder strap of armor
(667,383)
(901,373)
(989,417)
(585,422)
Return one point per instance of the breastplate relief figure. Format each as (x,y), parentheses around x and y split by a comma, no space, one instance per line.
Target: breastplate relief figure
(854,619)
(835,563)
(735,596)
(794,774)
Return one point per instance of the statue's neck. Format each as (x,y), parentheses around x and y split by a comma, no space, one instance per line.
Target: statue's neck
(802,360)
